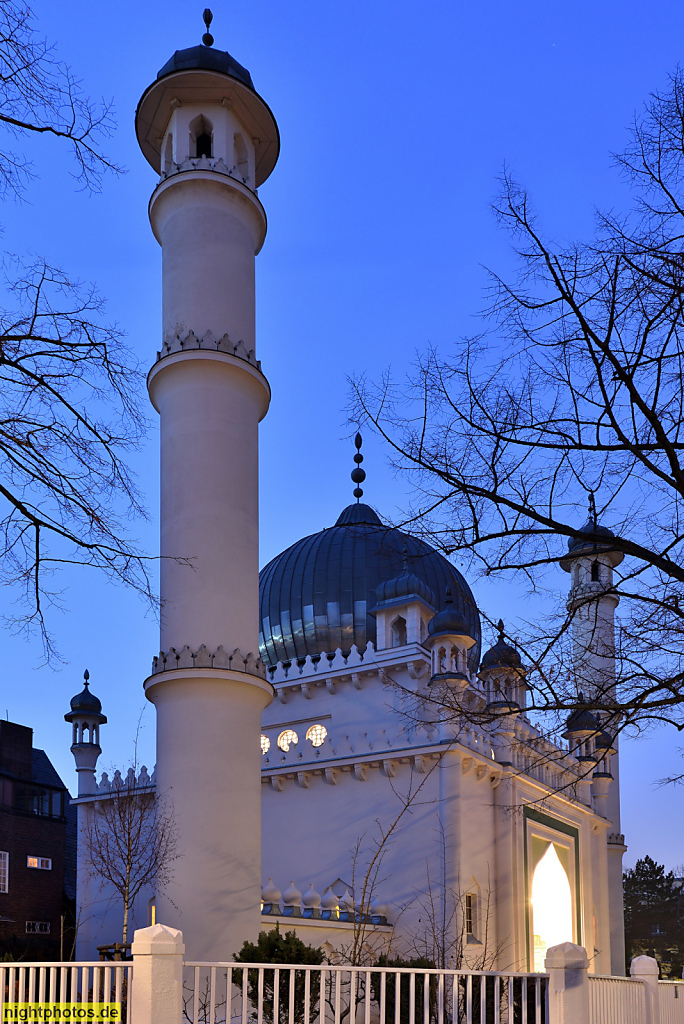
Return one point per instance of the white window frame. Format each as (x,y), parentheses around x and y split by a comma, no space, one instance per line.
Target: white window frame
(42,863)
(37,927)
(4,871)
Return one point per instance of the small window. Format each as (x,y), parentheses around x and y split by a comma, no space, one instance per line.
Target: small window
(594,572)
(265,744)
(42,863)
(399,632)
(5,792)
(37,927)
(4,871)
(317,734)
(287,737)
(204,144)
(470,922)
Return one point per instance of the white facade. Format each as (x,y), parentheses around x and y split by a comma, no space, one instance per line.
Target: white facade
(476,819)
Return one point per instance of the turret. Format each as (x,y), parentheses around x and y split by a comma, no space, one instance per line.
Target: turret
(449,641)
(212,140)
(591,559)
(86,718)
(404,606)
(503,678)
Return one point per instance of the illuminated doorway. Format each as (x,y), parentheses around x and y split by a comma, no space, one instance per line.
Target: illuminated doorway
(552,905)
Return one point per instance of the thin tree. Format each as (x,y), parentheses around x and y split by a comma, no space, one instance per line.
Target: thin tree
(130,842)
(70,389)
(572,390)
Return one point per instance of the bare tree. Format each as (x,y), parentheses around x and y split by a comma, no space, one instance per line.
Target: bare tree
(573,389)
(130,841)
(70,389)
(40,95)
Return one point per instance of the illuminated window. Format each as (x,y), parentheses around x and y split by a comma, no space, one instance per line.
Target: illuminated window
(265,744)
(43,863)
(4,871)
(287,737)
(551,906)
(317,734)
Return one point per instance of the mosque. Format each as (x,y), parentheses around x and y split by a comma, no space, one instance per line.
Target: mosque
(337,753)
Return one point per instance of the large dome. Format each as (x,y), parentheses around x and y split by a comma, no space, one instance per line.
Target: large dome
(319,594)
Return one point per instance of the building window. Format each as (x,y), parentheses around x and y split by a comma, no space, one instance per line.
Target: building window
(5,792)
(4,871)
(265,744)
(399,632)
(43,802)
(287,737)
(37,927)
(317,734)
(594,572)
(470,914)
(42,863)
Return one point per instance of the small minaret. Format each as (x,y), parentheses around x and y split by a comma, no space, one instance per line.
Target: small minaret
(86,718)
(503,677)
(592,601)
(212,140)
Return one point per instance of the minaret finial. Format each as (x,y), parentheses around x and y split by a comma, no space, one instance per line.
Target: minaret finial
(592,508)
(207,38)
(500,627)
(86,676)
(358,475)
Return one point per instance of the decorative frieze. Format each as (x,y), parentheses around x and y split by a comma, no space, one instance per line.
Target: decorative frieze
(208,343)
(203,658)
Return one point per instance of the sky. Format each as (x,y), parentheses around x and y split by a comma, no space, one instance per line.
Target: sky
(395,121)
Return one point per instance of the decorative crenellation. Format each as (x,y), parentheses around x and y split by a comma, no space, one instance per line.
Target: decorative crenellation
(206,163)
(203,658)
(208,343)
(328,907)
(129,783)
(322,665)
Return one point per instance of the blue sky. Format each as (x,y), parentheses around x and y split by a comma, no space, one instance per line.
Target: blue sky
(395,121)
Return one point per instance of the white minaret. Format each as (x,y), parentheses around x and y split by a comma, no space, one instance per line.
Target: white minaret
(213,141)
(592,603)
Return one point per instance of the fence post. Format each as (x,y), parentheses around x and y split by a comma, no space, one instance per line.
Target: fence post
(157,989)
(645,969)
(568,967)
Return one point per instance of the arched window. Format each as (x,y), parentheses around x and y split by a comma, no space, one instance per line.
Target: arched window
(441,659)
(265,744)
(287,737)
(241,158)
(316,734)
(594,571)
(168,154)
(399,632)
(201,137)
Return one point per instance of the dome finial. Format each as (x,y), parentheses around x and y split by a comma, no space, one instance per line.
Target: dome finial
(592,508)
(358,475)
(86,676)
(207,38)
(500,627)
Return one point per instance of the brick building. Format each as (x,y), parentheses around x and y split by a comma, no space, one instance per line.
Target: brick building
(37,851)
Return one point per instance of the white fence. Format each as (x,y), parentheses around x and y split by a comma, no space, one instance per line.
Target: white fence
(671,1000)
(617,1000)
(328,994)
(161,987)
(85,983)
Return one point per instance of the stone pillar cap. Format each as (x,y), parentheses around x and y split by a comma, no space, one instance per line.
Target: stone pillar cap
(157,939)
(644,965)
(567,954)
